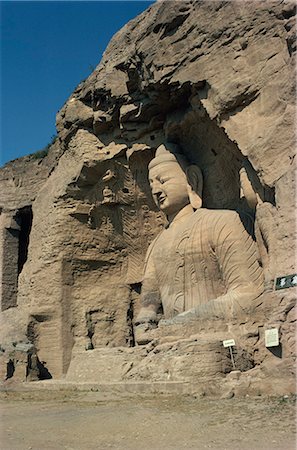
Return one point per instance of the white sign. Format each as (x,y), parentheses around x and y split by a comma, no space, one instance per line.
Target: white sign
(228,343)
(271,337)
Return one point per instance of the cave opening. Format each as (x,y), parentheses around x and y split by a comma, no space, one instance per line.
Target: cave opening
(10,369)
(24,219)
(15,245)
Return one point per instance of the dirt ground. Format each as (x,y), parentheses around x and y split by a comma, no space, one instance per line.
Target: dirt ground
(92,420)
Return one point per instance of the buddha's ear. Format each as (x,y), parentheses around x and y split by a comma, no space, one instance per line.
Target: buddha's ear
(195,185)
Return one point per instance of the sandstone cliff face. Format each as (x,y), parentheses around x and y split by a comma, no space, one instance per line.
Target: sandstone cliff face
(20,181)
(217,79)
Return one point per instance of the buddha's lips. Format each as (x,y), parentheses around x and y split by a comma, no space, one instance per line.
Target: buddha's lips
(161,199)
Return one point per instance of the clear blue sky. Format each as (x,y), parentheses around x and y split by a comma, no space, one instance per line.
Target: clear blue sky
(47,48)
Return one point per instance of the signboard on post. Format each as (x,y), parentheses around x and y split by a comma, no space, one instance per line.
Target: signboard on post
(228,343)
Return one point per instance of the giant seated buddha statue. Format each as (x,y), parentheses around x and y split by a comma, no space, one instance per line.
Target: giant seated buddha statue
(204,264)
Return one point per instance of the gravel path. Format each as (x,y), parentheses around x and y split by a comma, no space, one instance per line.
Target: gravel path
(90,420)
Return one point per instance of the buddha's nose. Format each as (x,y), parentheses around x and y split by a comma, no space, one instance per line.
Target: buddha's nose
(156,189)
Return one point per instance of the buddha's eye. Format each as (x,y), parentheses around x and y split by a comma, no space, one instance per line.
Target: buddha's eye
(163,180)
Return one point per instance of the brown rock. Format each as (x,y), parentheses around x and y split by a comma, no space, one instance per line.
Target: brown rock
(218,79)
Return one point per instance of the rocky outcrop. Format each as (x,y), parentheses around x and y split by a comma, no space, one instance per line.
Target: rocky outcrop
(217,79)
(22,179)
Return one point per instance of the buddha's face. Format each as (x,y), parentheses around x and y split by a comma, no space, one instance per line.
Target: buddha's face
(168,183)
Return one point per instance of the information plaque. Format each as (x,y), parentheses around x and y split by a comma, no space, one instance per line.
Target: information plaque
(286,281)
(271,337)
(228,343)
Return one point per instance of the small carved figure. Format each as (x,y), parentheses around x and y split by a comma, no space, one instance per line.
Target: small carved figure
(203,264)
(108,195)
(147,227)
(109,175)
(145,211)
(106,226)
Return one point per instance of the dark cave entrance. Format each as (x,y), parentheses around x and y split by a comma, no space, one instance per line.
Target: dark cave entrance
(24,218)
(14,254)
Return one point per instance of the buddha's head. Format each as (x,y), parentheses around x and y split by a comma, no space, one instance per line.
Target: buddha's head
(174,182)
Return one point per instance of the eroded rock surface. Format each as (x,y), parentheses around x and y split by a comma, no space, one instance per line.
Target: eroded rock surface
(217,79)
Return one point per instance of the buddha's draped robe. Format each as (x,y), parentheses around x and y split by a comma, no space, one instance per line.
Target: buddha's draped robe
(208,262)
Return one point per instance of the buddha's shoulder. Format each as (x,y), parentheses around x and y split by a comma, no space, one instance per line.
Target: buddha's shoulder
(215,215)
